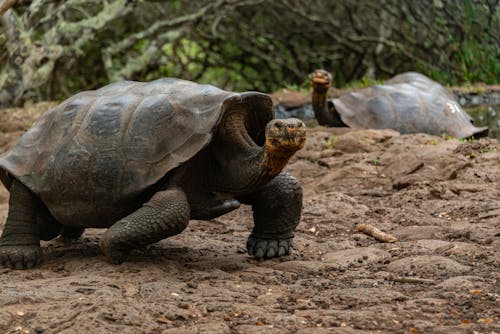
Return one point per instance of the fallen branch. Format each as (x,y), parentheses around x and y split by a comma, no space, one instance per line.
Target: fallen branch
(376,233)
(410,280)
(5,5)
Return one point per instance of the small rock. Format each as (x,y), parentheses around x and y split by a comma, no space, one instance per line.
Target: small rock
(38,330)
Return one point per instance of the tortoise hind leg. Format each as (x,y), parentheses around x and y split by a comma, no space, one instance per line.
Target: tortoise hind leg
(50,228)
(166,214)
(276,211)
(20,240)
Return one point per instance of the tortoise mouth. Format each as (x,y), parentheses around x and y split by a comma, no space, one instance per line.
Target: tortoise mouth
(321,77)
(320,80)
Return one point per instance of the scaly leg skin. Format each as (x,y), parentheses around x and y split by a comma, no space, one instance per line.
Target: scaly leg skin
(276,213)
(20,240)
(166,214)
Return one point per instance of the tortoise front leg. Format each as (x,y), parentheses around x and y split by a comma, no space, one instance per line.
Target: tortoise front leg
(166,214)
(20,240)
(276,212)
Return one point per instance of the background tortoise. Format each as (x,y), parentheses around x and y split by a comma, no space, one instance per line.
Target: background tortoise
(409,103)
(144,158)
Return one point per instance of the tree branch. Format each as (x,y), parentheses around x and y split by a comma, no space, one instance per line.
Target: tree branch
(5,5)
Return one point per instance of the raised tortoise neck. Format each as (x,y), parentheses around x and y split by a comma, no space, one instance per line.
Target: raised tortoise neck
(325,112)
(320,104)
(243,165)
(274,160)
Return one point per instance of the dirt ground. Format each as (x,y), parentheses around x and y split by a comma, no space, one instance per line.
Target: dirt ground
(440,198)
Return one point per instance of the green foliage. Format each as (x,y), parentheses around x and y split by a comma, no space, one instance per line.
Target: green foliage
(433,142)
(475,55)
(363,83)
(243,45)
(446,136)
(467,140)
(479,62)
(330,141)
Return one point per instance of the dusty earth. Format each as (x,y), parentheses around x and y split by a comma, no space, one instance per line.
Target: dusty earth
(439,197)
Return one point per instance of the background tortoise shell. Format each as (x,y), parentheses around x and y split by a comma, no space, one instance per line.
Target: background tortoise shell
(409,103)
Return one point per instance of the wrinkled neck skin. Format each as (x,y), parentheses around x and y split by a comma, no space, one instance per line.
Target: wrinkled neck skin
(325,114)
(319,102)
(242,165)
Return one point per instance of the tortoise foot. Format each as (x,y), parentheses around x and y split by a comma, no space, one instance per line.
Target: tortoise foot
(20,257)
(267,248)
(114,254)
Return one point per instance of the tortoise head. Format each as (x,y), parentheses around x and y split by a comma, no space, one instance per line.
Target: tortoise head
(284,137)
(321,80)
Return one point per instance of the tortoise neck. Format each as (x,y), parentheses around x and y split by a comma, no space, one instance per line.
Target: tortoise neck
(273,160)
(320,104)
(325,112)
(251,170)
(242,165)
(233,137)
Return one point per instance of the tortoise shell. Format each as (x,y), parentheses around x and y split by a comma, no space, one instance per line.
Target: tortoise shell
(96,152)
(409,103)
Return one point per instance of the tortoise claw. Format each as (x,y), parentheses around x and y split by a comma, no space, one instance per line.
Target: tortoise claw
(113,254)
(269,248)
(20,257)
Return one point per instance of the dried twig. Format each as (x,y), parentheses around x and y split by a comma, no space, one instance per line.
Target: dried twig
(376,233)
(410,280)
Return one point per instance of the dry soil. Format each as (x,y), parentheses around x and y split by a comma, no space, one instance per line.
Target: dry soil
(439,197)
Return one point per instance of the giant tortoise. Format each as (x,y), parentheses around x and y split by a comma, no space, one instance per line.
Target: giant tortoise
(409,103)
(142,159)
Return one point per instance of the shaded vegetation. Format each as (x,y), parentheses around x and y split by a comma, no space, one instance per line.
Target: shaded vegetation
(55,48)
